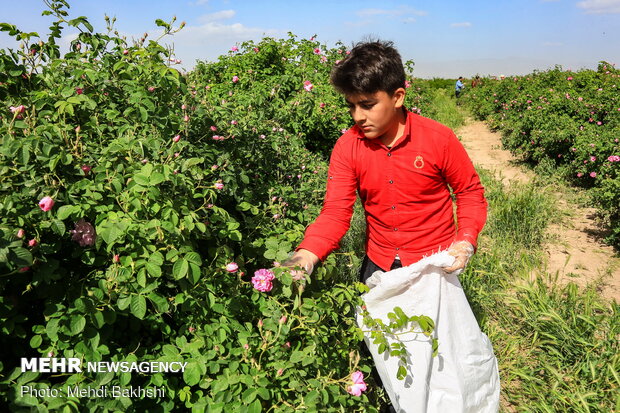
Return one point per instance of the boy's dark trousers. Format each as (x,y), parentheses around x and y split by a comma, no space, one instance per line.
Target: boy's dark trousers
(367,269)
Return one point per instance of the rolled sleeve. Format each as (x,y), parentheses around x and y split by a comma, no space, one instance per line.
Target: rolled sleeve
(471,205)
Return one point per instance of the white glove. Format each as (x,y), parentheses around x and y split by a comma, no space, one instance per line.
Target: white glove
(462,251)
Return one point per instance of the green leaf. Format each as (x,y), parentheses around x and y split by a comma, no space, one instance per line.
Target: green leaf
(58,227)
(141,180)
(255,407)
(194,258)
(402,373)
(249,395)
(157,178)
(180,268)
(138,306)
(123,302)
(65,211)
(153,269)
(297,356)
(36,341)
(192,373)
(77,324)
(20,256)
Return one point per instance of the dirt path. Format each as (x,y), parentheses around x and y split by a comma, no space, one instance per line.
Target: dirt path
(574,253)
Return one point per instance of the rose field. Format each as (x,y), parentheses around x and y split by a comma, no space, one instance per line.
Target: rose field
(564,120)
(144,211)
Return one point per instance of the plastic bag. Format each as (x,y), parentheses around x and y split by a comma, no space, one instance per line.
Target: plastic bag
(463,377)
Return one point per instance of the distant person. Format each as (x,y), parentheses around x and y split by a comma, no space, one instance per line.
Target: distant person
(459,87)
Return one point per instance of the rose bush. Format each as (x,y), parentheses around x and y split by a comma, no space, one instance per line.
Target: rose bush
(137,202)
(569,121)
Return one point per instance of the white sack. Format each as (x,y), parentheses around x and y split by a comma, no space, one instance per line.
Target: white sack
(463,377)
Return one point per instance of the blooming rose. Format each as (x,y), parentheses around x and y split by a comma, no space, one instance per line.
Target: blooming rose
(46,203)
(235,79)
(358,385)
(232,267)
(17,109)
(308,86)
(234,49)
(262,280)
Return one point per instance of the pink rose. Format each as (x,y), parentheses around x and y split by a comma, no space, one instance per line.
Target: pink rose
(186,118)
(86,169)
(232,267)
(79,90)
(218,185)
(21,233)
(46,203)
(283,319)
(17,109)
(176,138)
(358,385)
(116,259)
(125,52)
(255,49)
(308,86)
(213,128)
(234,49)
(151,89)
(317,51)
(24,269)
(32,243)
(235,79)
(592,174)
(262,280)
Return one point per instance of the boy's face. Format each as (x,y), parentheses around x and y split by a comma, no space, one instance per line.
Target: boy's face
(377,114)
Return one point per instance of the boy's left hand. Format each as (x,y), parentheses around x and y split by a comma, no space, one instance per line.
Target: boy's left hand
(462,251)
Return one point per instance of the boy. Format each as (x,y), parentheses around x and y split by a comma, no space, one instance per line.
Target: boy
(402,165)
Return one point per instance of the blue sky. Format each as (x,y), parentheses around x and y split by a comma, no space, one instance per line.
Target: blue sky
(444,38)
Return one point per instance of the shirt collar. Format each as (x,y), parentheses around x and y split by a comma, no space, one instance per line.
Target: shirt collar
(409,115)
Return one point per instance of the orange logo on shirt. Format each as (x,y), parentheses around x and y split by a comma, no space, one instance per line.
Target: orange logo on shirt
(419,162)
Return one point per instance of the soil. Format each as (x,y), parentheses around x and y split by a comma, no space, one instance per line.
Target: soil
(575,251)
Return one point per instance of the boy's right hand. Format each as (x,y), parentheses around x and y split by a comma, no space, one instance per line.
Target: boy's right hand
(303,258)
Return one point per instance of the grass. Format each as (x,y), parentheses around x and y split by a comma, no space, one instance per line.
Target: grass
(557,346)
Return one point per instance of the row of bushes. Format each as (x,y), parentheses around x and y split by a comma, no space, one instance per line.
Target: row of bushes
(568,121)
(137,203)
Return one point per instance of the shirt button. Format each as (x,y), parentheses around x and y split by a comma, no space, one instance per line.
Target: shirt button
(389,153)
(395,229)
(391,181)
(393,206)
(397,248)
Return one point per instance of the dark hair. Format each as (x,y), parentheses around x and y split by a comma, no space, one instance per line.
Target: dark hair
(372,66)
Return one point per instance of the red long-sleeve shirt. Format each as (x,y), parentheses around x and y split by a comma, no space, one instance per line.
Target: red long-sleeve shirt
(404,191)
